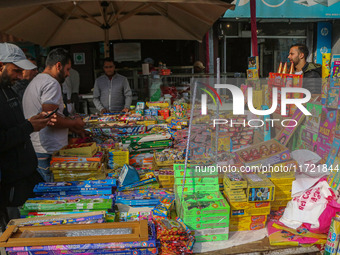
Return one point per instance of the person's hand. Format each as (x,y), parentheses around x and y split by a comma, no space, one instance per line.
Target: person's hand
(81,132)
(125,110)
(40,121)
(104,111)
(78,123)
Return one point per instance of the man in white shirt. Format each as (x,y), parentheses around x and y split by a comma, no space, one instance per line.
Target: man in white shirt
(44,94)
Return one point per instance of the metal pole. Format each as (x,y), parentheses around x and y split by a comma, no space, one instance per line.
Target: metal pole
(106,43)
(224,54)
(189,134)
(218,81)
(211,51)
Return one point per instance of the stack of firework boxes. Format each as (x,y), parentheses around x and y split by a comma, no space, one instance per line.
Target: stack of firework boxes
(283,183)
(60,198)
(249,196)
(200,204)
(78,162)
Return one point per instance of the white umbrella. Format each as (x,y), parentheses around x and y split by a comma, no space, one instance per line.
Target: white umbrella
(58,22)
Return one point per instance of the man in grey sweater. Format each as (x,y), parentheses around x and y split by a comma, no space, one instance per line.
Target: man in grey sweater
(112,92)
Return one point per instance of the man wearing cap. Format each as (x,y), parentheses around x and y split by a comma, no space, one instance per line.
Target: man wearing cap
(27,75)
(44,94)
(18,162)
(112,91)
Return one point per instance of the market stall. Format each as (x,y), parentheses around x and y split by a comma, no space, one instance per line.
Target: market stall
(179,176)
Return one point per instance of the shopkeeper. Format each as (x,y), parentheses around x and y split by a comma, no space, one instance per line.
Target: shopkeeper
(112,92)
(311,72)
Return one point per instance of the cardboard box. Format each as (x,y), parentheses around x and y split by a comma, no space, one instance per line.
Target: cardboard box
(192,171)
(248,223)
(326,133)
(98,157)
(235,180)
(260,188)
(206,224)
(242,209)
(203,188)
(81,149)
(235,198)
(194,181)
(211,231)
(267,153)
(287,132)
(217,207)
(252,73)
(211,238)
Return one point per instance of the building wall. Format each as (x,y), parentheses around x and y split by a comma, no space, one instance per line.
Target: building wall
(336,37)
(86,71)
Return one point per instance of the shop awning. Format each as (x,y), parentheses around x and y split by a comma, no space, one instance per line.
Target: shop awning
(58,22)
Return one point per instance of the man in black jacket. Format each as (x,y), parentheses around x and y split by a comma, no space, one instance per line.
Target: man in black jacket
(18,161)
(298,54)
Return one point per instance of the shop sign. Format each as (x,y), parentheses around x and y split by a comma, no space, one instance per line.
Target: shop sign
(287,9)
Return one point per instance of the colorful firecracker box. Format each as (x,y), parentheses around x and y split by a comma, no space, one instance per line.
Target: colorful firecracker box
(138,139)
(67,204)
(128,213)
(166,180)
(131,246)
(211,231)
(72,197)
(224,141)
(74,185)
(141,159)
(81,149)
(247,223)
(265,153)
(335,71)
(235,180)
(152,145)
(326,131)
(118,131)
(277,205)
(203,188)
(332,164)
(241,209)
(193,170)
(118,158)
(216,224)
(80,191)
(282,170)
(252,73)
(194,208)
(134,251)
(98,157)
(81,166)
(287,132)
(194,181)
(29,214)
(232,196)
(333,98)
(260,188)
(142,197)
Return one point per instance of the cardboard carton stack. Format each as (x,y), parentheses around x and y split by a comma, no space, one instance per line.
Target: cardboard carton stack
(200,205)
(250,213)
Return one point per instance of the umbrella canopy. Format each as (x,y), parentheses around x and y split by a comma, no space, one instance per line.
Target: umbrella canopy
(58,22)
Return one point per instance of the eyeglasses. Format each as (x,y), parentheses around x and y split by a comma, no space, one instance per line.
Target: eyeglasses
(106,67)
